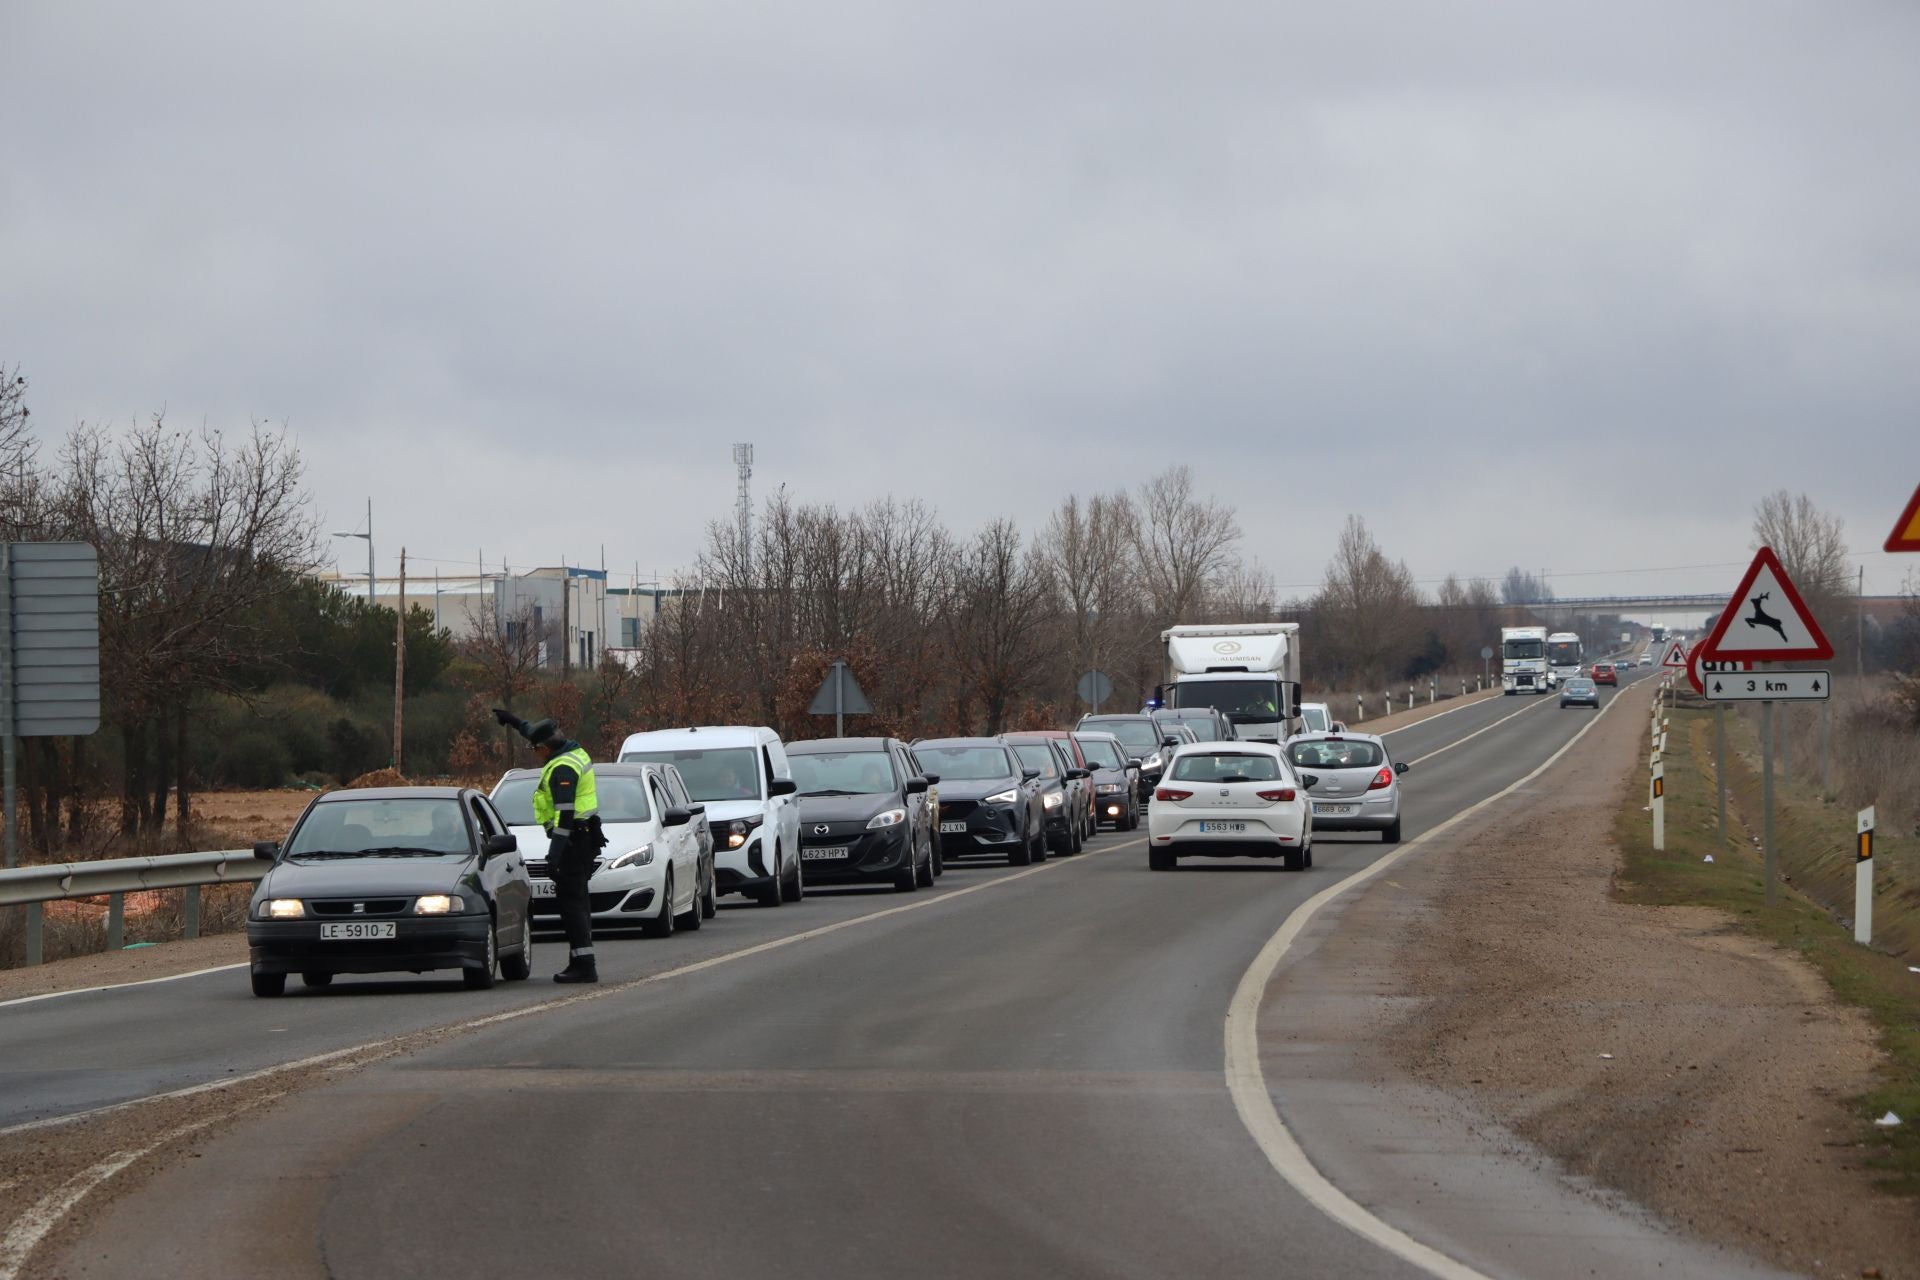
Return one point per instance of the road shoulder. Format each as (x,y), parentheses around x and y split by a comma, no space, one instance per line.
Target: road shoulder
(1542,1081)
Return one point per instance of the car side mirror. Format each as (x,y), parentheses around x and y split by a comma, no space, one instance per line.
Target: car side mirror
(1133,762)
(1309,780)
(1074,775)
(1401,766)
(266,850)
(1028,775)
(933,779)
(696,809)
(677,816)
(498,845)
(782,787)
(1169,742)
(916,786)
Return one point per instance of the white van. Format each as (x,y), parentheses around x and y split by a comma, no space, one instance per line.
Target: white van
(740,773)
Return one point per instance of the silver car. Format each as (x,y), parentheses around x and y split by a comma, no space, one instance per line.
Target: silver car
(1355,786)
(1580,692)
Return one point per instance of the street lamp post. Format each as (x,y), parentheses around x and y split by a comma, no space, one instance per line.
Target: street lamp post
(368,535)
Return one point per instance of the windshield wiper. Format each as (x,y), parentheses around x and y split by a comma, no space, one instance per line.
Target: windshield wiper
(833,791)
(411,849)
(323,853)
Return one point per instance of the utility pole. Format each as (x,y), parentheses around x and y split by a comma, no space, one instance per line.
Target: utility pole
(743,502)
(566,620)
(400,664)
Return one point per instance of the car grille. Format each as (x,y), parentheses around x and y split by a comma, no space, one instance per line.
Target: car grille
(957,810)
(598,902)
(366,906)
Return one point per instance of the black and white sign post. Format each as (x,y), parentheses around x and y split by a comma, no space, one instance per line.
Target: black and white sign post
(49,655)
(1766,621)
(1863,877)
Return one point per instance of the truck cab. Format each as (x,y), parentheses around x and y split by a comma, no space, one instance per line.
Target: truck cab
(1250,672)
(1523,660)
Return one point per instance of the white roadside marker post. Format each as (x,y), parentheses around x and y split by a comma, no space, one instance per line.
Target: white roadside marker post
(1659,806)
(1863,878)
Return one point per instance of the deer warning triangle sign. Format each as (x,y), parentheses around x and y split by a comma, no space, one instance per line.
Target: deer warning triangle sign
(1766,621)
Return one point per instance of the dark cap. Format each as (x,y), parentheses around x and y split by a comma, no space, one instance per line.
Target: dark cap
(544,733)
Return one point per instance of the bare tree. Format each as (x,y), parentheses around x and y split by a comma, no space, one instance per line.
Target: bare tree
(999,619)
(1181,542)
(1086,547)
(1521,587)
(1367,609)
(1812,547)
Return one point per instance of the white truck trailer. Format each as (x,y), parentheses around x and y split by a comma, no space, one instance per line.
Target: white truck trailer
(1566,657)
(1523,659)
(1250,671)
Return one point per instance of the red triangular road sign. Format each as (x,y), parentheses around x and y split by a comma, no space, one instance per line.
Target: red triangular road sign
(1906,530)
(1676,655)
(1766,621)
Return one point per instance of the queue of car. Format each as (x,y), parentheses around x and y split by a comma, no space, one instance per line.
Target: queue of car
(419,879)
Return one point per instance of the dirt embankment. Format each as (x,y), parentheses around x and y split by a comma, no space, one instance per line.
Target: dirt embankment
(1652,1049)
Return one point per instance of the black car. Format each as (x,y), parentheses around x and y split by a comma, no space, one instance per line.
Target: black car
(1207,724)
(1115,775)
(392,880)
(1062,794)
(989,801)
(1144,739)
(864,814)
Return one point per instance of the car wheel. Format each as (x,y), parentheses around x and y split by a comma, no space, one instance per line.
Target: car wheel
(1161,858)
(519,967)
(907,878)
(1133,817)
(773,895)
(661,924)
(926,872)
(1293,859)
(1391,835)
(268,984)
(1021,856)
(482,979)
(939,854)
(689,920)
(709,899)
(316,979)
(1079,840)
(1040,843)
(798,889)
(1307,854)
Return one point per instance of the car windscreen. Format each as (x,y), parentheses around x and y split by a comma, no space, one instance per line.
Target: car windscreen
(1242,700)
(961,764)
(1036,755)
(1347,753)
(721,773)
(622,799)
(1316,719)
(1139,735)
(420,824)
(1102,754)
(1225,766)
(843,772)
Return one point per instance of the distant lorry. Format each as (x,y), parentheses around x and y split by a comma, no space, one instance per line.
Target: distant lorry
(1659,635)
(1248,670)
(1523,659)
(1565,657)
(1626,637)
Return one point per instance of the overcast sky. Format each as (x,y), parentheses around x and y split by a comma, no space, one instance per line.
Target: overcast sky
(1568,286)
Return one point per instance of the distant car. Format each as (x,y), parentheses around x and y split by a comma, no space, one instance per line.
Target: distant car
(989,801)
(1604,673)
(1318,718)
(656,873)
(740,773)
(1207,724)
(1059,793)
(1079,789)
(1238,800)
(864,815)
(1144,740)
(1579,692)
(392,880)
(1115,773)
(1356,784)
(1646,659)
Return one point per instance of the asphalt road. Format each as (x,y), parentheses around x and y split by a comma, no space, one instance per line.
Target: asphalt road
(1018,1073)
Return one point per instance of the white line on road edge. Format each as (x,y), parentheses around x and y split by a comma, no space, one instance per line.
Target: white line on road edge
(1465,706)
(118,986)
(1440,751)
(1247,1082)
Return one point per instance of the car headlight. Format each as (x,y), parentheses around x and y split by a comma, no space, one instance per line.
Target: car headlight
(1053,799)
(438,904)
(891,818)
(283,909)
(1107,789)
(1008,796)
(1151,762)
(740,830)
(641,857)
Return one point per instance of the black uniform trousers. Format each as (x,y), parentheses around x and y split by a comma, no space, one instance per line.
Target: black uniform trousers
(570,873)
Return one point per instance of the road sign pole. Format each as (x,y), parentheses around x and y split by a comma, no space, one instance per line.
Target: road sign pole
(1863,878)
(839,699)
(1766,796)
(6,706)
(1720,765)
(1786,746)
(1826,747)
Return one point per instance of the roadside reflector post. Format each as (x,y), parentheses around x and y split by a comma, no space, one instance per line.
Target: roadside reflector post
(1388,695)
(1766,798)
(191,910)
(1359,709)
(1659,807)
(1863,878)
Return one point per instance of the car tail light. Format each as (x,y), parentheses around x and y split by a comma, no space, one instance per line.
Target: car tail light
(1384,778)
(1172,793)
(1284,794)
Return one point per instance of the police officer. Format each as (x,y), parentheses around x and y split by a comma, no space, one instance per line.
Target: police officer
(567,805)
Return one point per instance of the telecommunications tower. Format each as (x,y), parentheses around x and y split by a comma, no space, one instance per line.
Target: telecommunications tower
(743,513)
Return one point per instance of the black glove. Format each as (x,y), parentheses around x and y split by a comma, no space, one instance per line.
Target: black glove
(508,720)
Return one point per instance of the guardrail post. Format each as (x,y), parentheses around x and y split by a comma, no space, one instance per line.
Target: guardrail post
(116,920)
(1433,692)
(1359,709)
(1388,695)
(36,931)
(191,909)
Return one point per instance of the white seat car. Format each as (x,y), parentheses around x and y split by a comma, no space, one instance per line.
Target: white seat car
(657,871)
(1227,800)
(1355,786)
(741,774)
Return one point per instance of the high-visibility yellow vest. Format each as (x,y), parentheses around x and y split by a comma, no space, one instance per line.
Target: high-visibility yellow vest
(586,800)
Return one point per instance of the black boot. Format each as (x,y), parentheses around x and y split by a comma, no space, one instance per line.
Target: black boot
(580,968)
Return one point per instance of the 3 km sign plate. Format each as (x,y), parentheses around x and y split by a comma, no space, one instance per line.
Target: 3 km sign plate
(1769,686)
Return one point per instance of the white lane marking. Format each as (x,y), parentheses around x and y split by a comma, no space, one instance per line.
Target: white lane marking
(120,986)
(1439,751)
(1247,1082)
(596,993)
(1465,706)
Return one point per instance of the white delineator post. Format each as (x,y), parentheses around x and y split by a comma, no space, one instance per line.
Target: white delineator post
(1863,878)
(1659,806)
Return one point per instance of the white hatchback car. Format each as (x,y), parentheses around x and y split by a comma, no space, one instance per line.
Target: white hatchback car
(656,872)
(740,772)
(1226,800)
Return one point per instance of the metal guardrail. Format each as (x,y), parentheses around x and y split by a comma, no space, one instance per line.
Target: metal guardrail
(116,877)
